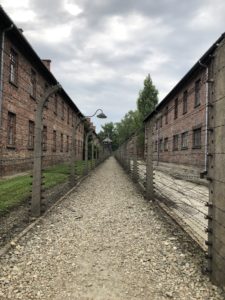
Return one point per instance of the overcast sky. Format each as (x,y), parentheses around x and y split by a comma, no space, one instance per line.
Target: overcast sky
(101,50)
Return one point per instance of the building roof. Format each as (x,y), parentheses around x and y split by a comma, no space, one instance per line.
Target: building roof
(204,60)
(24,46)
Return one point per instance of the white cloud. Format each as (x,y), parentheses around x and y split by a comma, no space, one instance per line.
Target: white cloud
(103,50)
(19,10)
(72,8)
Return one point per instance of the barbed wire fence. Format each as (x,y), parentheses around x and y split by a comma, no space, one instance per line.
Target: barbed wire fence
(57,146)
(197,204)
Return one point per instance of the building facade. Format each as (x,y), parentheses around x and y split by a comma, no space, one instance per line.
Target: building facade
(24,78)
(179,123)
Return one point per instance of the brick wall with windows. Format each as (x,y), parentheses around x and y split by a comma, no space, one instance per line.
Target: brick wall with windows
(23,84)
(183,124)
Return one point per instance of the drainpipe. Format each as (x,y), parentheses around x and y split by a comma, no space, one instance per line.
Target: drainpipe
(2,67)
(206,117)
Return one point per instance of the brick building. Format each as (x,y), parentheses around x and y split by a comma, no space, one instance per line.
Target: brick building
(24,77)
(180,130)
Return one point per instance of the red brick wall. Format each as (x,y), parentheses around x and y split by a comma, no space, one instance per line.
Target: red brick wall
(17,99)
(194,117)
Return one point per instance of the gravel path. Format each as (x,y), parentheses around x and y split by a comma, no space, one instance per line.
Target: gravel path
(105,242)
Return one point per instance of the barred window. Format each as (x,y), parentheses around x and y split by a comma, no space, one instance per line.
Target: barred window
(175,108)
(13,67)
(185,102)
(31,135)
(161,145)
(55,104)
(67,143)
(166,115)
(175,141)
(166,144)
(156,146)
(54,141)
(197,92)
(44,138)
(63,110)
(68,115)
(33,83)
(72,119)
(11,130)
(160,122)
(184,140)
(197,138)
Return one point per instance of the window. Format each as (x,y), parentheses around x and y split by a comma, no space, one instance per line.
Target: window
(44,138)
(175,108)
(197,138)
(45,89)
(156,146)
(175,142)
(33,83)
(68,115)
(54,141)
(63,110)
(13,67)
(166,146)
(166,115)
(185,99)
(156,125)
(31,135)
(160,122)
(61,143)
(67,143)
(161,145)
(11,132)
(55,104)
(184,140)
(197,92)
(72,119)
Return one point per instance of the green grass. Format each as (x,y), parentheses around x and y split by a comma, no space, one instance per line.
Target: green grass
(16,190)
(13,191)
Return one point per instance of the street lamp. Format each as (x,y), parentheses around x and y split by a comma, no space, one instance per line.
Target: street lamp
(101,115)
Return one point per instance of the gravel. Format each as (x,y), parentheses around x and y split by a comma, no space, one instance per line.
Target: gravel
(105,242)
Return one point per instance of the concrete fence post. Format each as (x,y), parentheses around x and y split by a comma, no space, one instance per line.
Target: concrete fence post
(86,151)
(149,163)
(73,155)
(92,155)
(135,163)
(216,167)
(127,156)
(37,167)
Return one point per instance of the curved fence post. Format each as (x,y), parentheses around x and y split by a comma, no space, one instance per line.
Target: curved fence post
(37,167)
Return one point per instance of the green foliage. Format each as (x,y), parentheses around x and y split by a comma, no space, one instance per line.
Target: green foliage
(109,130)
(148,98)
(128,125)
(133,120)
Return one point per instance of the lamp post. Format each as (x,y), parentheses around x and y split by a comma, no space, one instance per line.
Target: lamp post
(101,115)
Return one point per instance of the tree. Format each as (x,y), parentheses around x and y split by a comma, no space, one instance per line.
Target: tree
(109,130)
(128,125)
(148,98)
